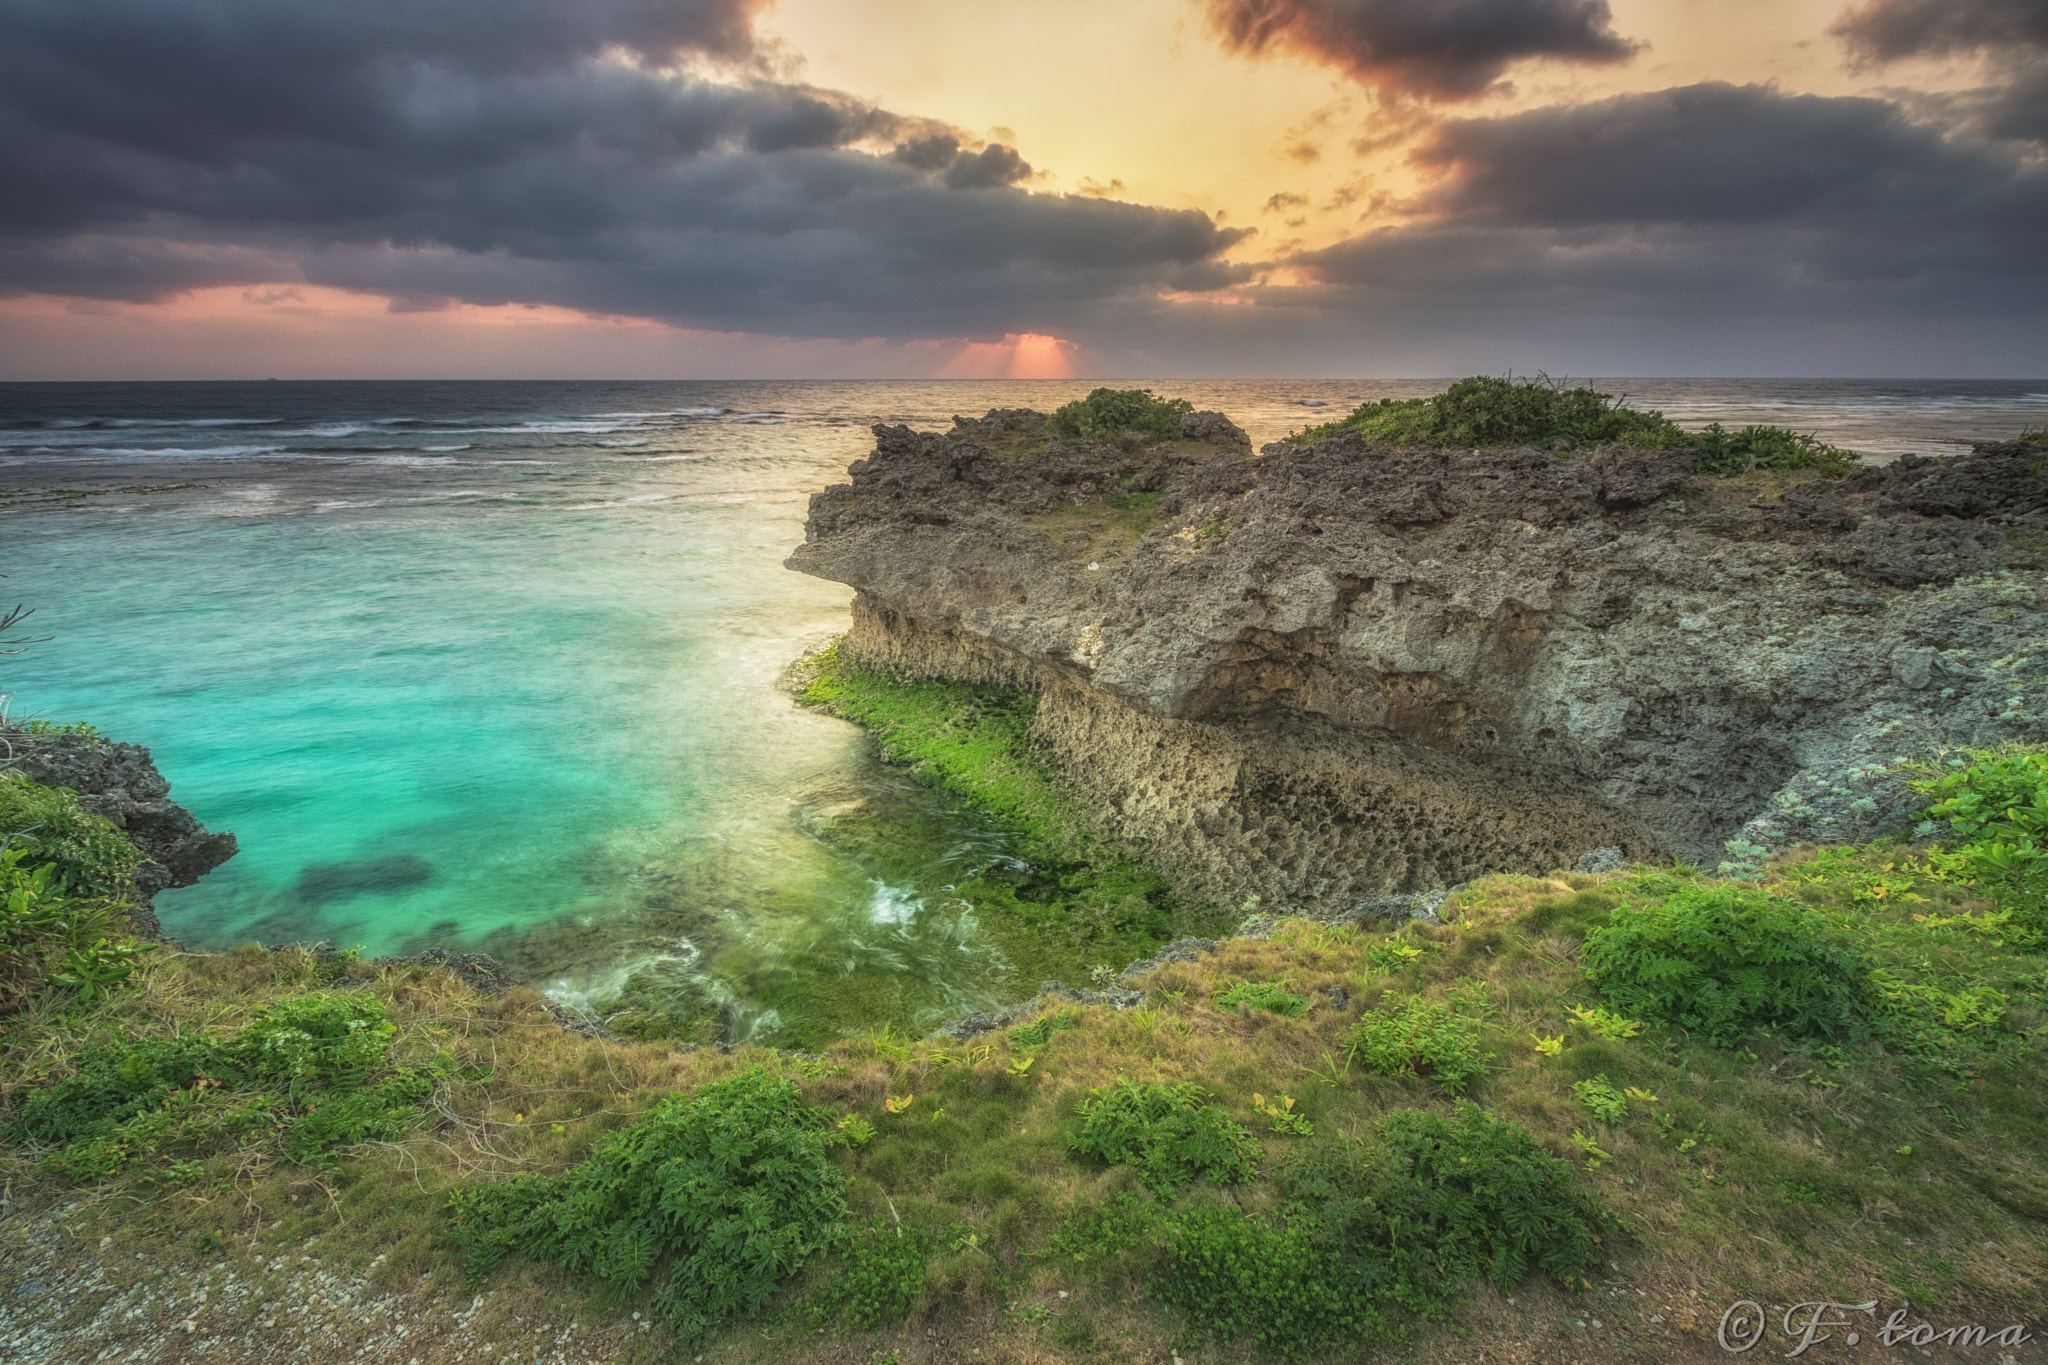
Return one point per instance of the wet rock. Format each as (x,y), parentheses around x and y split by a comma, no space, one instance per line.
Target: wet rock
(120,783)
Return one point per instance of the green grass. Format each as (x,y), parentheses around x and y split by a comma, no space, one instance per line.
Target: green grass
(1082,902)
(1263,995)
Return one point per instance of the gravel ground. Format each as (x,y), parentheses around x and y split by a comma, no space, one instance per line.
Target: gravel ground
(67,1301)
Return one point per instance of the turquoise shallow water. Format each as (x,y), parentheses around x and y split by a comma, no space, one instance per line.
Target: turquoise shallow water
(457,661)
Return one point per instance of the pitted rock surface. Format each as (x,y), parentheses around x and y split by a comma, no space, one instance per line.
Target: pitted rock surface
(1325,673)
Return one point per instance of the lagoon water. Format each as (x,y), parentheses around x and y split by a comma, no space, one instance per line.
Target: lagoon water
(493,664)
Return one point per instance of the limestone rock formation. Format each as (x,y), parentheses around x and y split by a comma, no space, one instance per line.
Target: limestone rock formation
(1325,673)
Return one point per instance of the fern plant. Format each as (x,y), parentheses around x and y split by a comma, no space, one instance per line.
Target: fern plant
(1421,1038)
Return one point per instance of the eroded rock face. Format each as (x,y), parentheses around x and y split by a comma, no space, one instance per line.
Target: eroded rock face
(119,782)
(1330,672)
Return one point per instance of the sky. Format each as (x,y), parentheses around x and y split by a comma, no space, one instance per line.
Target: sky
(1038,188)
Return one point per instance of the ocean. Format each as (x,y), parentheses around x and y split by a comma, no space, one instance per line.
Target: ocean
(493,664)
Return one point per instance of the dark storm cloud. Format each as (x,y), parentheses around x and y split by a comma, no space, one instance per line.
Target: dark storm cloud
(1436,49)
(1710,153)
(1886,30)
(1704,202)
(2019,108)
(525,150)
(2013,34)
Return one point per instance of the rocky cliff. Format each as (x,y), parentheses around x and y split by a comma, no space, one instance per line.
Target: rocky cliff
(119,782)
(1326,672)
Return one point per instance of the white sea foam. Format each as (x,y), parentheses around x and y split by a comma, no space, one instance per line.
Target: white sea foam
(465,447)
(637,500)
(893,905)
(179,453)
(541,428)
(189,422)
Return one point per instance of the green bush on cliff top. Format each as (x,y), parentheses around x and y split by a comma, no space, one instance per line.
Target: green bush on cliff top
(1488,411)
(1107,414)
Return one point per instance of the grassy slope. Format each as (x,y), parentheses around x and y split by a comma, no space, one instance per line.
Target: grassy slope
(1907,1163)
(1780,1169)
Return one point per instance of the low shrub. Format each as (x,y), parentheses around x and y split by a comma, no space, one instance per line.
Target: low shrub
(1376,1229)
(1420,1038)
(882,1279)
(52,727)
(1167,1132)
(1717,450)
(49,938)
(1449,1196)
(1488,411)
(1275,1281)
(1724,963)
(313,1071)
(715,1197)
(1107,414)
(1485,410)
(47,825)
(1263,995)
(1997,806)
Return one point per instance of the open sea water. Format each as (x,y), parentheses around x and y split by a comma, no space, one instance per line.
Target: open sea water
(493,664)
